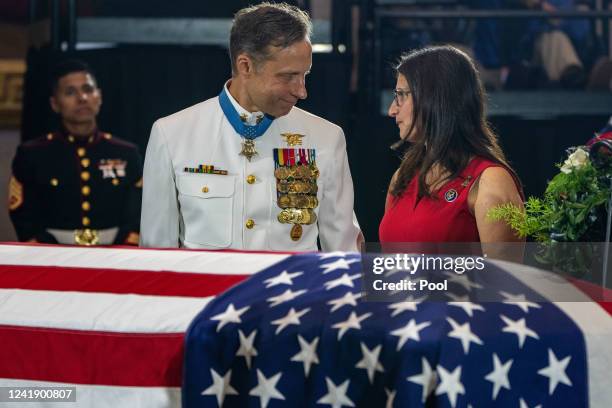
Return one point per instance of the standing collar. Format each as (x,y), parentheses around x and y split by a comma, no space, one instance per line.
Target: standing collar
(238,122)
(251,117)
(64,134)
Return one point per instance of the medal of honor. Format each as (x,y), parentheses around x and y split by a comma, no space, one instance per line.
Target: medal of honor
(238,121)
(248,149)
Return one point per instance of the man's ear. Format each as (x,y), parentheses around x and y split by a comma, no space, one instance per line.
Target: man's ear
(245,65)
(54,105)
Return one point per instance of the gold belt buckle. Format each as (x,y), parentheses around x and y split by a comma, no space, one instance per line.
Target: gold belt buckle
(86,237)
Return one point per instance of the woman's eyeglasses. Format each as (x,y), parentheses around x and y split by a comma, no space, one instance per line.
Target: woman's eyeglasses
(400,95)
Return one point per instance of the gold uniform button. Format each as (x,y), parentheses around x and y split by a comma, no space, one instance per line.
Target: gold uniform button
(50,136)
(71,139)
(85,206)
(85,190)
(251,179)
(85,176)
(205,189)
(86,221)
(85,162)
(81,151)
(54,182)
(115,182)
(249,223)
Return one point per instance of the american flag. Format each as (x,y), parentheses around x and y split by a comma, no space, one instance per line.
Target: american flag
(109,321)
(299,334)
(112,323)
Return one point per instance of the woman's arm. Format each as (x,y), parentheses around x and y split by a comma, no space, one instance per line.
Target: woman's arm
(494,187)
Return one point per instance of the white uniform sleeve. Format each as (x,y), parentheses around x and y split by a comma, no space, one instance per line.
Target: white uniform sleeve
(338,227)
(159,221)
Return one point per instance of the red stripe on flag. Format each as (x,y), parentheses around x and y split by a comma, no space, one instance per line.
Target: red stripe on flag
(88,357)
(115,280)
(601,295)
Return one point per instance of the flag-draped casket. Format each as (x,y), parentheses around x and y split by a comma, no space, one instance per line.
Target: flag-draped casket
(129,326)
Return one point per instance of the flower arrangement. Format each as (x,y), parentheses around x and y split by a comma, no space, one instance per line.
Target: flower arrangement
(573,208)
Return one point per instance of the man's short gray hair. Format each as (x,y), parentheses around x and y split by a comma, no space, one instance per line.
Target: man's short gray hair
(267,24)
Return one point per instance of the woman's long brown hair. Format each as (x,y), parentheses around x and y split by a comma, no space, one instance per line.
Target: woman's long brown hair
(448,118)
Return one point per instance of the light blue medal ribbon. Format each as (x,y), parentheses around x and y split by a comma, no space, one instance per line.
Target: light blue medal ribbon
(244,130)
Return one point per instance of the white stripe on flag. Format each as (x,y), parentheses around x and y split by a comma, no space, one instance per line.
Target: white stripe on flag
(98,311)
(107,396)
(230,263)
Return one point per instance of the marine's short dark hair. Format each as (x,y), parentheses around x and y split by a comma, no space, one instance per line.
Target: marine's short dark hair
(66,67)
(267,24)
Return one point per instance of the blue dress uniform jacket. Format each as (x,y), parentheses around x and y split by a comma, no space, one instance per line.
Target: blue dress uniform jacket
(61,185)
(239,210)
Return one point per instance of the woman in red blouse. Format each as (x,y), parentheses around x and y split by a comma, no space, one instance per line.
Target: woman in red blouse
(454,170)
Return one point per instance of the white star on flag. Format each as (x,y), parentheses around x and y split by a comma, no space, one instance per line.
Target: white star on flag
(393,271)
(353,322)
(369,361)
(468,307)
(246,349)
(390,398)
(463,280)
(519,300)
(344,280)
(266,389)
(464,333)
(519,328)
(427,379)
(307,354)
(220,386)
(335,254)
(409,331)
(499,375)
(406,305)
(292,317)
(555,371)
(286,296)
(349,298)
(336,395)
(450,384)
(231,315)
(284,278)
(337,264)
(523,404)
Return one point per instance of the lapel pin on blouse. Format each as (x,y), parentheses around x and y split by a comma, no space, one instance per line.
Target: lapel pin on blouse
(450,195)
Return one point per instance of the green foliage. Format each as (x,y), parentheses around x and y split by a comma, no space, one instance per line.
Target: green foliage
(572,209)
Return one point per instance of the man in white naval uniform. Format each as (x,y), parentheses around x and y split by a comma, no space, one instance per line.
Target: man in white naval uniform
(209,174)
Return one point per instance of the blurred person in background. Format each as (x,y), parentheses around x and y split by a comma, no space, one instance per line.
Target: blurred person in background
(77,185)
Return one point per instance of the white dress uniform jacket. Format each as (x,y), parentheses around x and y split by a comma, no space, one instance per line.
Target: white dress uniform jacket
(211,211)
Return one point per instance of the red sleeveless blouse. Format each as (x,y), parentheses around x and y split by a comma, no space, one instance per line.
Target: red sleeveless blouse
(444,217)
